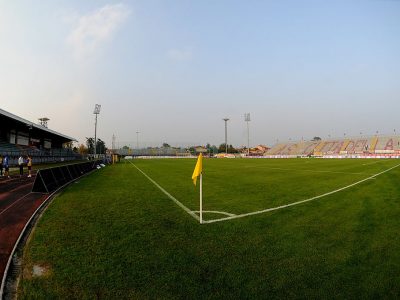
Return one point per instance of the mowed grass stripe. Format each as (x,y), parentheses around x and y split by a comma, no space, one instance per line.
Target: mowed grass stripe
(177,202)
(114,235)
(94,223)
(232,187)
(302,201)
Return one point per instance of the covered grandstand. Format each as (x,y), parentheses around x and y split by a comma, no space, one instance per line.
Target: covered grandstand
(19,136)
(375,146)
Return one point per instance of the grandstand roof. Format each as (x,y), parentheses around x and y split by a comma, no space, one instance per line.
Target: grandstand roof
(37,126)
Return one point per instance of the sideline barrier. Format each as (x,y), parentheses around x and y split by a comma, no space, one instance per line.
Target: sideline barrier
(48,180)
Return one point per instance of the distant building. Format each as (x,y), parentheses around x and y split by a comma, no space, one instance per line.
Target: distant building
(200,149)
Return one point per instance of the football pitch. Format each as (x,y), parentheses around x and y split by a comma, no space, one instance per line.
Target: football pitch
(274,228)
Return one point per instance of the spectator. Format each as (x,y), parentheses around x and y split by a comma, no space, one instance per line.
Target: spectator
(29,161)
(21,165)
(6,166)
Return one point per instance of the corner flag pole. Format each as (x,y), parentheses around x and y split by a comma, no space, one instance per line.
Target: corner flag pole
(198,171)
(201,198)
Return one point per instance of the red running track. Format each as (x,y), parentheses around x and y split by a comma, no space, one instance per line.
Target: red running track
(17,204)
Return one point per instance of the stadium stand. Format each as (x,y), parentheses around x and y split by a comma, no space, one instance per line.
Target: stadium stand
(356,146)
(161,151)
(369,146)
(19,136)
(387,145)
(293,149)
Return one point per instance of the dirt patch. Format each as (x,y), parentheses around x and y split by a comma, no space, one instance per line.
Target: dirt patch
(41,270)
(37,270)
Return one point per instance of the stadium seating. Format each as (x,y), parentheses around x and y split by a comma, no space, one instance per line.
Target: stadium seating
(7,148)
(356,146)
(38,155)
(387,144)
(349,146)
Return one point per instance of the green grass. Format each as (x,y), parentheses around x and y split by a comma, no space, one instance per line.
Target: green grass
(114,235)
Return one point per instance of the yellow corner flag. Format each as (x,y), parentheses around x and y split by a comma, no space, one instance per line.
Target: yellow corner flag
(198,169)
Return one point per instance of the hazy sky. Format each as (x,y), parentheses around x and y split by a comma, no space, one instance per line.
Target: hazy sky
(173,69)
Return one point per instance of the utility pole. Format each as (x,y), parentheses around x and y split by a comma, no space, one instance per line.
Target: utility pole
(247,120)
(226,135)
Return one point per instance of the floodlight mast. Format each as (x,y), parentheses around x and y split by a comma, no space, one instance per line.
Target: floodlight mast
(247,120)
(43,121)
(226,135)
(97,108)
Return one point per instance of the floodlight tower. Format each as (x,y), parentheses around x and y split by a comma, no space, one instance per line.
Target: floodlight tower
(247,120)
(137,139)
(226,135)
(97,108)
(43,121)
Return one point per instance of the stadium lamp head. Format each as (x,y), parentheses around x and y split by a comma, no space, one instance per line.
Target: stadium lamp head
(97,108)
(247,117)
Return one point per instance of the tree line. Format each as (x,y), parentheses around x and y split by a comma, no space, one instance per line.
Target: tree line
(89,147)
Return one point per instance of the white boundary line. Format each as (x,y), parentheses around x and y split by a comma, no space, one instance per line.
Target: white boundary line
(215,212)
(168,194)
(233,216)
(299,202)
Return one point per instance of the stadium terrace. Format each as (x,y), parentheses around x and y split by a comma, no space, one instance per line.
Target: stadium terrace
(369,147)
(19,136)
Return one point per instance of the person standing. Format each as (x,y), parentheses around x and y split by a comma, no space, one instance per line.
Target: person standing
(6,166)
(21,165)
(1,166)
(29,160)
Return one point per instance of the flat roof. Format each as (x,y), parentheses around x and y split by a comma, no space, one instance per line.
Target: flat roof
(37,126)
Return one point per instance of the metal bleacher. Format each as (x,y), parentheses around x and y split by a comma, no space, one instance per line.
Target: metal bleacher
(38,155)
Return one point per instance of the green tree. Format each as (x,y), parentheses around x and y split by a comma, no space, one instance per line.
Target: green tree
(231,149)
(90,145)
(192,150)
(222,148)
(214,149)
(101,147)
